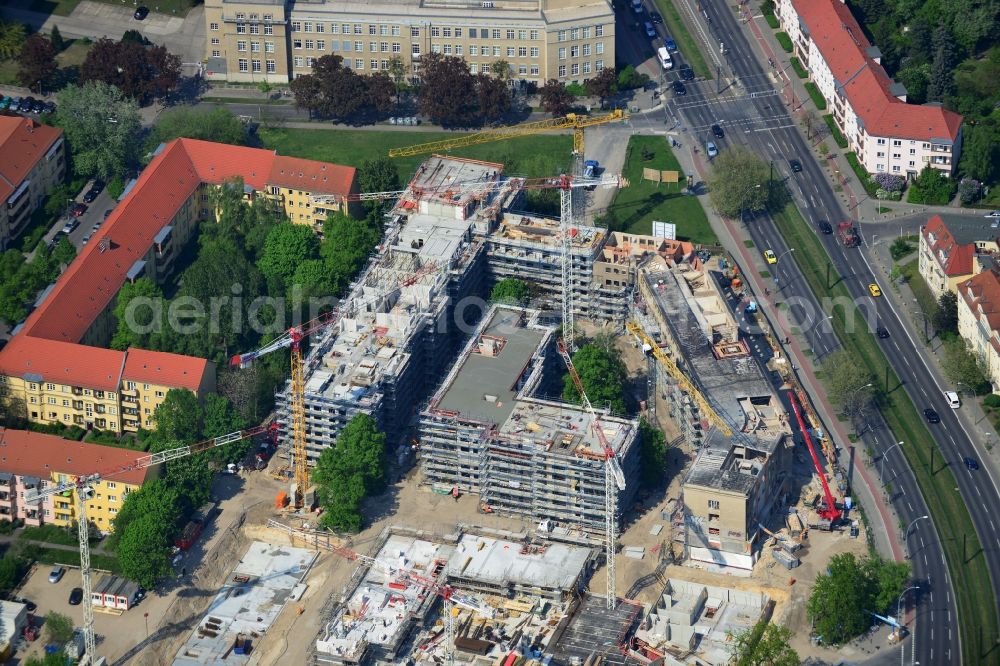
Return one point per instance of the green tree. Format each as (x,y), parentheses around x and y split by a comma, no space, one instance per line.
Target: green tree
(981,152)
(143,551)
(195,122)
(942,78)
(58,43)
(555,99)
(603,375)
(102,128)
(137,311)
(58,627)
(179,418)
(740,182)
(848,383)
(50,659)
(12,38)
(500,69)
(139,71)
(765,644)
(932,187)
(397,70)
(221,418)
(64,252)
(346,245)
(287,246)
(945,318)
(448,92)
(378,175)
(135,37)
(652,454)
(510,291)
(157,499)
(962,366)
(843,597)
(348,472)
(9,571)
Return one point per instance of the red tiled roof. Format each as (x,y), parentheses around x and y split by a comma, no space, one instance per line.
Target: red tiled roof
(27,453)
(22,143)
(164,369)
(844,46)
(62,362)
(218,162)
(311,176)
(981,294)
(954,258)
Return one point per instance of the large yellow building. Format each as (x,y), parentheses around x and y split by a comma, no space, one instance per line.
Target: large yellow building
(277,40)
(33,162)
(57,365)
(33,460)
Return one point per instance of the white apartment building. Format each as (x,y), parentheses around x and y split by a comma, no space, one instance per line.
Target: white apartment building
(887,134)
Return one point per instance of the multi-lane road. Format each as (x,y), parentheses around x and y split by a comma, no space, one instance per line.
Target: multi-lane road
(751,112)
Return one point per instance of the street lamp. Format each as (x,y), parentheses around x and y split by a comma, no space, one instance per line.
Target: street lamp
(881,473)
(744,206)
(910,526)
(902,650)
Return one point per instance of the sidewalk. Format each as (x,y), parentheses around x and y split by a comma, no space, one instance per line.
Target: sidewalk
(882,521)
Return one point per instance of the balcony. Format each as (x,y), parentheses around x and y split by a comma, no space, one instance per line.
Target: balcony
(33,518)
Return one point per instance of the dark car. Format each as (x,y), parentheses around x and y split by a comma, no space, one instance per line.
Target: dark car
(26,104)
(717,132)
(825,227)
(655,17)
(141,13)
(679,88)
(50,107)
(90,195)
(108,212)
(796,165)
(76,596)
(971,464)
(38,106)
(931,416)
(79,209)
(882,332)
(687,73)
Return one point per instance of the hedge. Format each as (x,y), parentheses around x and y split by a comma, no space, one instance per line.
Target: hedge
(767,9)
(799,69)
(784,40)
(817,97)
(871,187)
(835,132)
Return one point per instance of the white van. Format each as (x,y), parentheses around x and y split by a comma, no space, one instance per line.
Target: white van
(665,60)
(952,399)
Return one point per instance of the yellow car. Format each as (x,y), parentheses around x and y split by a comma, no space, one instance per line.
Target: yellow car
(874,290)
(769,256)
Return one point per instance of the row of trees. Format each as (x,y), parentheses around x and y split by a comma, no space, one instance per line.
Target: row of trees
(338,92)
(21,280)
(151,518)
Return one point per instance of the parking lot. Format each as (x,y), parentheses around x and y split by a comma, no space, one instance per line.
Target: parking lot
(85,227)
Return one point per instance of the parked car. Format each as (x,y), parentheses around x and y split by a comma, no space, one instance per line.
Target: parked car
(71,224)
(590,168)
(796,165)
(50,107)
(76,596)
(5,102)
(56,574)
(108,212)
(90,196)
(931,416)
(655,17)
(79,209)
(26,104)
(38,106)
(670,44)
(711,149)
(650,30)
(141,13)
(717,132)
(15,103)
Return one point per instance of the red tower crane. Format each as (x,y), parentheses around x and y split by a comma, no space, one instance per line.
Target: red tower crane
(830,511)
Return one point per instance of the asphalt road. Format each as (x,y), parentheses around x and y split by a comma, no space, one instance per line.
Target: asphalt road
(94,215)
(751,113)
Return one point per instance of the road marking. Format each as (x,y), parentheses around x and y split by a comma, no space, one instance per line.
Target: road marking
(992,526)
(925,560)
(976,487)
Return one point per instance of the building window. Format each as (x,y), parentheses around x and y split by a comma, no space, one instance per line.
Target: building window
(880,167)
(496,51)
(383,30)
(510,51)
(446,32)
(372,30)
(458,32)
(254,29)
(296,26)
(510,34)
(435,32)
(320,44)
(522,34)
(296,43)
(522,69)
(268,29)
(880,142)
(347,45)
(599,65)
(562,53)
(458,49)
(534,34)
(320,28)
(586,50)
(359,46)
(383,47)
(50,387)
(214,27)
(496,33)
(473,50)
(912,163)
(374,68)
(586,32)
(522,51)
(574,52)
(896,142)
(913,151)
(435,48)
(373,47)
(309,44)
(396,47)
(447,49)
(359,63)
(575,68)
(534,51)
(713,504)
(255,47)
(895,169)
(599,48)
(474,68)
(244,65)
(574,34)
(395,31)
(586,67)
(359,29)
(415,49)
(299,62)
(216,53)
(472,33)
(414,32)
(241,29)
(309,62)
(562,70)
(487,4)
(561,36)
(215,41)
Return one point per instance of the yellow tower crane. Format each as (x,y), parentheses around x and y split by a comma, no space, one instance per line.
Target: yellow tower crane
(573,121)
(678,376)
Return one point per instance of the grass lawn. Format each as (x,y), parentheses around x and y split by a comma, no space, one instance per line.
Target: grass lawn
(815,94)
(74,54)
(636,206)
(976,606)
(8,72)
(835,132)
(49,534)
(533,156)
(66,7)
(685,43)
(925,299)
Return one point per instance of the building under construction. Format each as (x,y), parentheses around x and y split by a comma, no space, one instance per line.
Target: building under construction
(454,231)
(737,481)
(485,430)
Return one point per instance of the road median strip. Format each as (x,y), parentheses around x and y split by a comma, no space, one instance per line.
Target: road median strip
(968,571)
(685,42)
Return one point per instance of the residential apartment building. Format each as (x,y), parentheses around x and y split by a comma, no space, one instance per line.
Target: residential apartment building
(950,253)
(57,365)
(870,108)
(32,460)
(277,40)
(979,319)
(33,162)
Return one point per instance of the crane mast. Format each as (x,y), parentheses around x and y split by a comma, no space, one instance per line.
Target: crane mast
(614,477)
